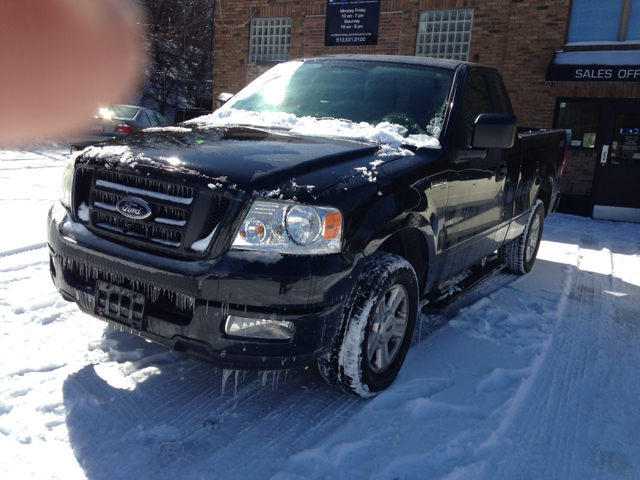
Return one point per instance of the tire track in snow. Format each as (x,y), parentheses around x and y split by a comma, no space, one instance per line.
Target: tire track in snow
(186,405)
(583,320)
(569,412)
(552,432)
(201,397)
(549,392)
(251,391)
(113,401)
(293,425)
(172,389)
(15,251)
(141,406)
(20,267)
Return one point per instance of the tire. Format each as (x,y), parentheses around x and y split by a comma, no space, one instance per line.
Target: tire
(520,253)
(376,328)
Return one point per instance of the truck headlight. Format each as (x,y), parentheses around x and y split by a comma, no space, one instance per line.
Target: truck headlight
(67,184)
(290,228)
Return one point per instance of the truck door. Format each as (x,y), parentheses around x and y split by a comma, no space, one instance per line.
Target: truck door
(476,210)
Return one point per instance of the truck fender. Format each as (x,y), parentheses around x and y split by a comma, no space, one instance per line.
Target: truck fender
(385,227)
(383,215)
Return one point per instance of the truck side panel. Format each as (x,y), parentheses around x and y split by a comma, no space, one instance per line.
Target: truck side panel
(541,156)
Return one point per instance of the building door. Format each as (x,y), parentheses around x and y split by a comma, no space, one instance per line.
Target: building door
(617,182)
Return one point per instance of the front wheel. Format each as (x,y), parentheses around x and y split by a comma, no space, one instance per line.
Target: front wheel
(520,253)
(376,328)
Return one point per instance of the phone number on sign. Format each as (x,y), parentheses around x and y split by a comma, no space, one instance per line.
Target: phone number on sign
(350,39)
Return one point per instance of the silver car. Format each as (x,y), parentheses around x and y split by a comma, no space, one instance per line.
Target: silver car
(116,121)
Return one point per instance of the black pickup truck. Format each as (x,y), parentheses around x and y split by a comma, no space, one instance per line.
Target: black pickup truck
(306,218)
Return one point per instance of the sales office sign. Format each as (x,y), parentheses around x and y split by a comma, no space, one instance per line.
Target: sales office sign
(593,73)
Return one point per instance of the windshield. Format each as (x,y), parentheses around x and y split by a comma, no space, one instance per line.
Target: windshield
(408,95)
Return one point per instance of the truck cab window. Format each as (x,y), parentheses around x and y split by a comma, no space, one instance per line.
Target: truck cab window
(475,101)
(500,99)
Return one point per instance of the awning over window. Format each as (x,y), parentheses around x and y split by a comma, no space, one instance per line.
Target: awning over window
(595,66)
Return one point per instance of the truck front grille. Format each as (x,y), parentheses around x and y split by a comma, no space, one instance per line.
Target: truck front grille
(180,215)
(119,224)
(161,188)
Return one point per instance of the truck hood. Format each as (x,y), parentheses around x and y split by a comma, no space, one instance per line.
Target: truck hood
(251,159)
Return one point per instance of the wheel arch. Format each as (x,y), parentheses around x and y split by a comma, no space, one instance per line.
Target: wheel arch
(410,244)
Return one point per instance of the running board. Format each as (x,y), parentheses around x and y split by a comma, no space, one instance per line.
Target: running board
(438,301)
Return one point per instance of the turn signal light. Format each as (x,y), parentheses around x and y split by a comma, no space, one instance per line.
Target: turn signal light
(332,225)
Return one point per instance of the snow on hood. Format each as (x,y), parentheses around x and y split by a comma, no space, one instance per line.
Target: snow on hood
(106,152)
(167,129)
(389,136)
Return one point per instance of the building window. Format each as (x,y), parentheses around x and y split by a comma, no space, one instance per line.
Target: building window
(269,40)
(445,34)
(609,21)
(581,119)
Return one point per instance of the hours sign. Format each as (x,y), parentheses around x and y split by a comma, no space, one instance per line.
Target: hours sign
(352,22)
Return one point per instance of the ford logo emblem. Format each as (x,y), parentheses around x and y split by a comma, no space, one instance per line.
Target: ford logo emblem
(133,207)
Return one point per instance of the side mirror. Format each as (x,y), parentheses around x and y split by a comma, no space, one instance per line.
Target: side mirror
(222,99)
(494,130)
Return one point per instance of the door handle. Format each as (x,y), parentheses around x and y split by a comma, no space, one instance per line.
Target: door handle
(476,154)
(605,154)
(465,154)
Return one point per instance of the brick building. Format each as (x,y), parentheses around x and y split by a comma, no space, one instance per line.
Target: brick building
(572,64)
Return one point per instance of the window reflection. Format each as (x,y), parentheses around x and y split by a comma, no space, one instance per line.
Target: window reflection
(581,119)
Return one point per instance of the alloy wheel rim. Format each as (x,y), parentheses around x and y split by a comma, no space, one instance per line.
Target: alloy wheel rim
(388,328)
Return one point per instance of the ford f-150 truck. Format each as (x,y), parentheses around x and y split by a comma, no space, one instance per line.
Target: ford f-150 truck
(306,218)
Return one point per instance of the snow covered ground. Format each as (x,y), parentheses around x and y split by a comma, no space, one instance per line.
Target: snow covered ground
(534,377)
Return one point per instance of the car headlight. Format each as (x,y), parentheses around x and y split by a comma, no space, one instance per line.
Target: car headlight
(67,184)
(290,228)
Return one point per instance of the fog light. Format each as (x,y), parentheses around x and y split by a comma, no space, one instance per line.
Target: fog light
(263,328)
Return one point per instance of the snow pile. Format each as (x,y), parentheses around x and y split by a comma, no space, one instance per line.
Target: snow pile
(389,136)
(202,244)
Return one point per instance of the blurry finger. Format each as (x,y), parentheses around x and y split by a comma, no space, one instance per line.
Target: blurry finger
(60,59)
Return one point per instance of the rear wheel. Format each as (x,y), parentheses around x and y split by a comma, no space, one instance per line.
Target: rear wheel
(520,254)
(376,328)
